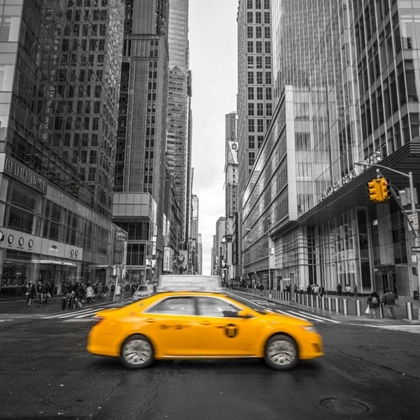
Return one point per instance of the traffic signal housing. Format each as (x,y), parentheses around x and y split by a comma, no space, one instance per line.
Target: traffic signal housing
(374,190)
(385,189)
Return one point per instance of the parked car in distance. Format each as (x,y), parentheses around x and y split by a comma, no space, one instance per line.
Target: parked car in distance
(143,291)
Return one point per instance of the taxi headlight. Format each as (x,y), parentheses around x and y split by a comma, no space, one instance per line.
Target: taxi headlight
(310,328)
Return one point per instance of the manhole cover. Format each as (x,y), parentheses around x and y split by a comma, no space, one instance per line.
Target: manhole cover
(344,406)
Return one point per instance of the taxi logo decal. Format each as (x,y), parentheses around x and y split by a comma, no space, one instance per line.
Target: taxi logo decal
(231,330)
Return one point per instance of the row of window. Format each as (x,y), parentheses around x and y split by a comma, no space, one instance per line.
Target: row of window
(259,62)
(260,125)
(258,32)
(258,17)
(260,93)
(259,77)
(258,4)
(87,3)
(259,47)
(260,109)
(251,141)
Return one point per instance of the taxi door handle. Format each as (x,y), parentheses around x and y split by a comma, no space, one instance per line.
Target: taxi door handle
(150,320)
(205,323)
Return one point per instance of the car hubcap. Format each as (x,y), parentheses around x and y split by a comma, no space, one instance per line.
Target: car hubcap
(281,353)
(137,352)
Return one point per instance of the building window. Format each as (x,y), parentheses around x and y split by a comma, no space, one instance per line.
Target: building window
(258,32)
(259,62)
(251,158)
(250,47)
(266,17)
(258,17)
(267,32)
(250,32)
(268,62)
(260,141)
(258,45)
(249,4)
(251,126)
(250,62)
(260,93)
(268,95)
(249,17)
(251,142)
(259,77)
(269,109)
(251,109)
(251,93)
(258,4)
(268,77)
(266,4)
(267,47)
(260,126)
(260,109)
(250,77)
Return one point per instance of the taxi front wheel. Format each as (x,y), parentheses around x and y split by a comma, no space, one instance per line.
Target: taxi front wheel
(137,352)
(281,352)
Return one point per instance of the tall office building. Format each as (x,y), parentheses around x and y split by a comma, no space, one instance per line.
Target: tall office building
(59,84)
(179,93)
(255,94)
(140,162)
(255,81)
(347,84)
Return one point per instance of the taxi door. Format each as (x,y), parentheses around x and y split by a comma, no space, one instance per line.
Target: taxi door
(172,325)
(222,333)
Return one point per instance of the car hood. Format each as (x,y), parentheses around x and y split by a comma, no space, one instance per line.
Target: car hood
(285,319)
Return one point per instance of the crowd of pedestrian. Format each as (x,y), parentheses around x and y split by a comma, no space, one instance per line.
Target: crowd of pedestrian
(39,293)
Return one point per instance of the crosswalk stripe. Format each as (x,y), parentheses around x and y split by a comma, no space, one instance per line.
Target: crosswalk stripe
(287,313)
(324,319)
(306,316)
(73,314)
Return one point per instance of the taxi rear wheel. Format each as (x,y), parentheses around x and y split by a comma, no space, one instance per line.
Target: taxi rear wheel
(281,352)
(137,352)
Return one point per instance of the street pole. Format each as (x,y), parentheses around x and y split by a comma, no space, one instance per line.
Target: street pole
(269,254)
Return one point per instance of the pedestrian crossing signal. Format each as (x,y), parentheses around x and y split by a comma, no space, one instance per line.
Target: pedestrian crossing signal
(374,190)
(385,189)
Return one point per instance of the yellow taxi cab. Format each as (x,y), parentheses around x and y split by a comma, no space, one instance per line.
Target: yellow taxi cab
(191,318)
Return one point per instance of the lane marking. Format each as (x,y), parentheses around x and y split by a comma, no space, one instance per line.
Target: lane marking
(79,320)
(294,316)
(5,320)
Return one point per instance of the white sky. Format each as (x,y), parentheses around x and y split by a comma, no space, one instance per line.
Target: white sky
(213,62)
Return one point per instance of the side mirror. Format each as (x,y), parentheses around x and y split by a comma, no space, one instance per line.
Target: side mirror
(244,314)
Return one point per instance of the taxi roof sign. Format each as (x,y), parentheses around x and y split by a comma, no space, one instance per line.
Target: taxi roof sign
(188,282)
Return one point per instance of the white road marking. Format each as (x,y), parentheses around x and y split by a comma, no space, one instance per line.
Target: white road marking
(415,329)
(5,320)
(306,316)
(321,318)
(79,320)
(287,313)
(83,312)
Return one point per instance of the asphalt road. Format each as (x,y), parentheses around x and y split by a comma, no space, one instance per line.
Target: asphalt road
(368,372)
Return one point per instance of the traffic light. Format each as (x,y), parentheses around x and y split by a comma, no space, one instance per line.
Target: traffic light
(374,190)
(385,189)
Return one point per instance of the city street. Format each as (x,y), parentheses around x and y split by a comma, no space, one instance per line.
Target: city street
(369,371)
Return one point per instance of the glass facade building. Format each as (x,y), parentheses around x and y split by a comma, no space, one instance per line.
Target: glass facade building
(59,82)
(346,82)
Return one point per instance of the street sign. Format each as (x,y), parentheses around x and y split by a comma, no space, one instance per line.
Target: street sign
(414,220)
(415,249)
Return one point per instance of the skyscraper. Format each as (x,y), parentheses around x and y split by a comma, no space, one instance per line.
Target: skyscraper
(59,84)
(346,93)
(179,91)
(141,147)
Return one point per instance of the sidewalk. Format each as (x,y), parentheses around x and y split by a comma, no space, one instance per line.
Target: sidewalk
(18,305)
(337,306)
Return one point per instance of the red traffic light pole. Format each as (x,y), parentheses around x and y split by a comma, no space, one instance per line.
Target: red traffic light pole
(413,224)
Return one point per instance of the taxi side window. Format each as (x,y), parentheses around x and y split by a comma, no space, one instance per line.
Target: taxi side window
(174,306)
(215,307)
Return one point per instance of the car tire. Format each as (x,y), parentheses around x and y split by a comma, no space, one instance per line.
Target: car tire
(137,352)
(281,352)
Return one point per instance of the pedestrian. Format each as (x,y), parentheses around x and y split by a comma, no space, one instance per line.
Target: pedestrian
(301,288)
(89,293)
(46,291)
(339,289)
(309,289)
(321,291)
(355,290)
(80,294)
(39,295)
(30,293)
(118,290)
(388,299)
(261,289)
(373,302)
(133,288)
(100,290)
(112,288)
(348,290)
(315,289)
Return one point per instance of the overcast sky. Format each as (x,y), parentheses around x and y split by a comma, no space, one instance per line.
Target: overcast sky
(213,62)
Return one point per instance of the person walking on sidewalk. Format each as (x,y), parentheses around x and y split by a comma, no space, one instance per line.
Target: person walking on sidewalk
(355,290)
(339,289)
(348,290)
(388,299)
(30,293)
(374,302)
